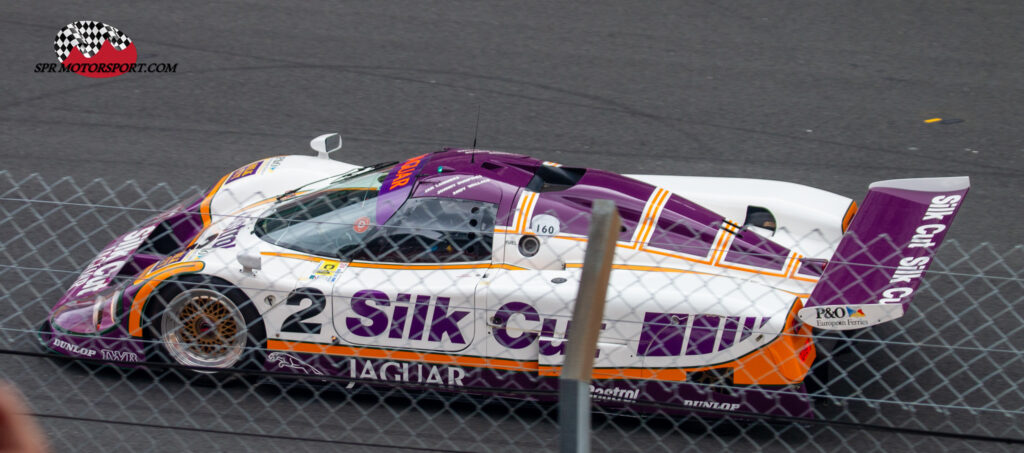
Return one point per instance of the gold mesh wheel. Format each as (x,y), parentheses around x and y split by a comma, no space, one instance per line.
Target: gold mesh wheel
(202,327)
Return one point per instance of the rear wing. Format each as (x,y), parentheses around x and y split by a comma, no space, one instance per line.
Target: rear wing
(881,258)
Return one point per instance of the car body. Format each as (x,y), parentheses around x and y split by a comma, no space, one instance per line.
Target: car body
(459,269)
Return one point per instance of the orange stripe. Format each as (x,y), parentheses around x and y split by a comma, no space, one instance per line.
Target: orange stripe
(644,217)
(294,256)
(755,271)
(135,314)
(786,270)
(848,217)
(419,267)
(660,197)
(721,248)
(794,265)
(657,213)
(643,220)
(630,267)
(571,238)
(529,212)
(364,265)
(805,279)
(519,215)
(719,242)
(671,374)
(507,266)
(410,356)
(204,207)
(527,203)
(673,255)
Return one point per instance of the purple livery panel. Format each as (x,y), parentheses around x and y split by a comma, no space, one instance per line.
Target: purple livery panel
(880,260)
(525,383)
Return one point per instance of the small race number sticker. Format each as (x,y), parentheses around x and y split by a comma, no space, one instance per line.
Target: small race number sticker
(545,225)
(327,268)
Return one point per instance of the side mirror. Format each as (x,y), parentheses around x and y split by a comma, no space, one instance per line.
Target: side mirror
(325,144)
(250,259)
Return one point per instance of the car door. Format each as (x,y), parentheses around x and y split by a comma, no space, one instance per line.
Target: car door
(413,283)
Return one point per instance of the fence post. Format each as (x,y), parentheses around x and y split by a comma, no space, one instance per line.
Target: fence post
(574,381)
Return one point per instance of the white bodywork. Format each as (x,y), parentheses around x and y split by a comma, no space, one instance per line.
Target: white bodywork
(809,220)
(285,285)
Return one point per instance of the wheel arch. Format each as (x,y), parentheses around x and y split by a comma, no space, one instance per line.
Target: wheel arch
(151,284)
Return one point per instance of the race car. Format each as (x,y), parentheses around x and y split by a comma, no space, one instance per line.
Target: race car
(458,270)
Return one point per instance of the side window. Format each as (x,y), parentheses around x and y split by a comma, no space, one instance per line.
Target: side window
(434,230)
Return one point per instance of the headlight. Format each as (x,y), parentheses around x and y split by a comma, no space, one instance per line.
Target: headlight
(89,315)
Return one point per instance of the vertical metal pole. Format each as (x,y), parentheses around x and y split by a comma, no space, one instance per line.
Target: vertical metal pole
(574,382)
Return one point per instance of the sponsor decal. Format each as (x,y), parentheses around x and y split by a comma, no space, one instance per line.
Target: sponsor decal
(119,356)
(282,360)
(613,394)
(684,334)
(457,184)
(73,348)
(417,373)
(247,170)
(839,315)
(395,188)
(403,174)
(328,270)
(519,338)
(169,259)
(361,225)
(711,405)
(94,49)
(273,164)
(545,225)
(411,317)
(907,275)
(196,254)
(844,317)
(226,238)
(108,263)
(484,151)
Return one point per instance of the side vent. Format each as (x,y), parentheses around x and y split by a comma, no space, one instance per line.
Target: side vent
(553,179)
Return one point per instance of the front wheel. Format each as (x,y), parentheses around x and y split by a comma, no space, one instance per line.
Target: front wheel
(208,324)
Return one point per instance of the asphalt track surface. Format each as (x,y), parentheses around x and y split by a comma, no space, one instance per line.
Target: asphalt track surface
(831,95)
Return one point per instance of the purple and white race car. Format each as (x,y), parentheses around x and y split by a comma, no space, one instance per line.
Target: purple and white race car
(458,270)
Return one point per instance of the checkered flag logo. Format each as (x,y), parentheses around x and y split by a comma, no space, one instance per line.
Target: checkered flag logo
(88,36)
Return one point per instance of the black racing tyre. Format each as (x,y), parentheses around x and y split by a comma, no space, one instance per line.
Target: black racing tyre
(204,323)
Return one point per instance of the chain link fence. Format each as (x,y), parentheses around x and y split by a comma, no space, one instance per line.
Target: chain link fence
(351,335)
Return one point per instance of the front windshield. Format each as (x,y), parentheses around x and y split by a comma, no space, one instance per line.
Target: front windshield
(328,219)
